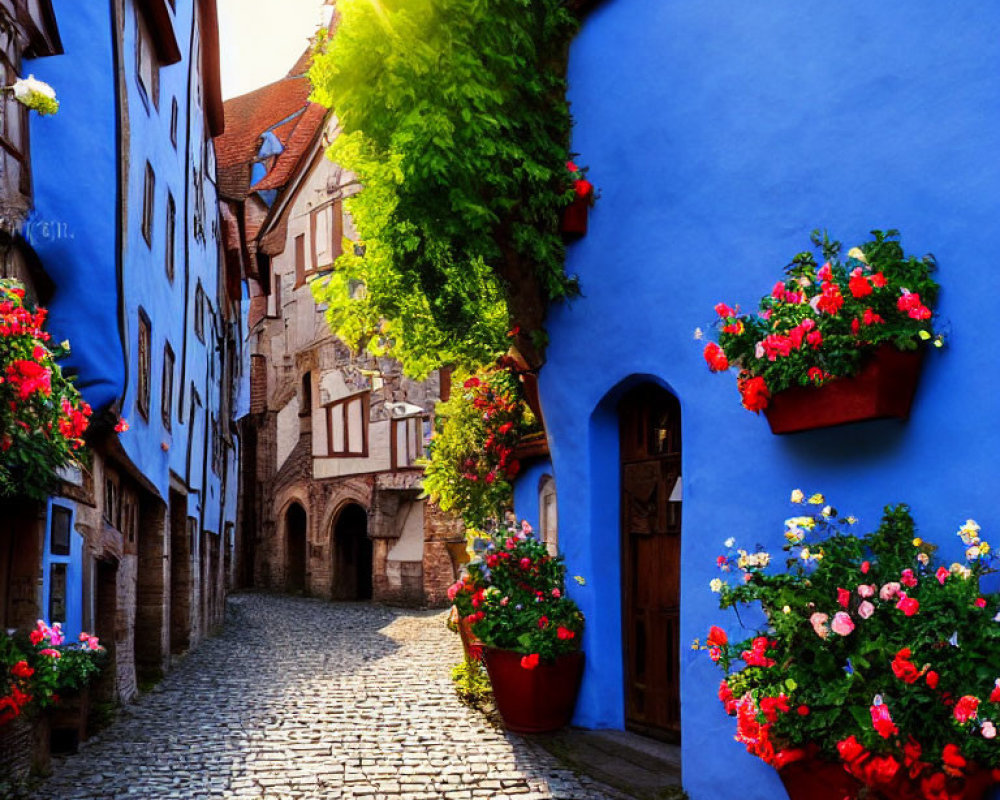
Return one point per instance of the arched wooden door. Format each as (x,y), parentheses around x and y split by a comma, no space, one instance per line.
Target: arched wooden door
(650,450)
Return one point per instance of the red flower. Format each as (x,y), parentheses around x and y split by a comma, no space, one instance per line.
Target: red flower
(543,622)
(715,356)
(932,679)
(995,694)
(911,305)
(121,426)
(882,721)
(22,670)
(859,285)
(830,300)
(850,749)
(825,272)
(865,566)
(727,698)
(724,311)
(907,578)
(871,318)
(36,636)
(755,394)
(529,662)
(881,770)
(565,633)
(583,188)
(903,668)
(843,597)
(908,605)
(717,637)
(980,602)
(803,711)
(878,280)
(770,707)
(814,339)
(756,655)
(966,708)
(953,760)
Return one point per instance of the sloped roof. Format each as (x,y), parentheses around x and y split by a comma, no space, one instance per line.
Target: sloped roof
(298,146)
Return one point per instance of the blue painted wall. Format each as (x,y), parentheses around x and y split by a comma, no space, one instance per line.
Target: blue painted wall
(73,227)
(526,492)
(719,134)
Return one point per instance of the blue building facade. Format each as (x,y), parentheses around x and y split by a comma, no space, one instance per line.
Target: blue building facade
(719,134)
(126,224)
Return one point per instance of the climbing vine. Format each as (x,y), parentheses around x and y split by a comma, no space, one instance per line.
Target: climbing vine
(454,121)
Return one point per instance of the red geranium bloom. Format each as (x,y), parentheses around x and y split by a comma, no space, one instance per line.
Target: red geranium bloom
(529,662)
(717,637)
(966,708)
(715,356)
(903,668)
(565,633)
(755,394)
(22,670)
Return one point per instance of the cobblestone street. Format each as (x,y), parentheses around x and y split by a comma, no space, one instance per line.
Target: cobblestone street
(307,699)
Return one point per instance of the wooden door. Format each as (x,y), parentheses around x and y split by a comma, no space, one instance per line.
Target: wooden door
(649,425)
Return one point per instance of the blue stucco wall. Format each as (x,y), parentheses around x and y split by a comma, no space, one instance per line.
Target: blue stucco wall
(719,134)
(526,492)
(73,227)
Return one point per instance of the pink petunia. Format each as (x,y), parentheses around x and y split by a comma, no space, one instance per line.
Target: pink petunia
(842,623)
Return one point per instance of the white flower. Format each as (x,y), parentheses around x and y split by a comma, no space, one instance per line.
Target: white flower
(698,333)
(729,542)
(855,253)
(828,511)
(972,553)
(35,94)
(716,585)
(758,350)
(798,496)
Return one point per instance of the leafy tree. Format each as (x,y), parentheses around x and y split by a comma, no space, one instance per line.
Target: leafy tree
(454,120)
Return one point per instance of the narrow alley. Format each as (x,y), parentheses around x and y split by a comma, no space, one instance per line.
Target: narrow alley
(302,698)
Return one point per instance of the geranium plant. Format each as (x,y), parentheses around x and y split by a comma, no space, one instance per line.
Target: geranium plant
(471,462)
(875,655)
(518,598)
(42,666)
(42,416)
(819,323)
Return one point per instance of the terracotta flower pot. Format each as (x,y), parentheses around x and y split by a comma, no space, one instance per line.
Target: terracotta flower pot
(883,388)
(814,779)
(535,700)
(574,217)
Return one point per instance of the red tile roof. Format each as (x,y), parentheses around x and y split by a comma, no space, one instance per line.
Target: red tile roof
(298,146)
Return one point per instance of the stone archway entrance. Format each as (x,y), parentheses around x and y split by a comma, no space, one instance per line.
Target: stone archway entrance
(650,452)
(295,535)
(352,555)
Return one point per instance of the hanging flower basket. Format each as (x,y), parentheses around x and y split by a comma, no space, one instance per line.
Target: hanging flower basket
(539,699)
(884,388)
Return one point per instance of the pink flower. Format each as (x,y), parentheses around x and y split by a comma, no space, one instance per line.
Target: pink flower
(843,597)
(818,621)
(865,566)
(51,653)
(525,563)
(865,610)
(556,593)
(842,624)
(989,730)
(942,575)
(907,605)
(889,591)
(980,602)
(908,578)
(866,590)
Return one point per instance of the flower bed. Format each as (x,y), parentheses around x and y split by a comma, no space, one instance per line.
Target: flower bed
(876,655)
(825,322)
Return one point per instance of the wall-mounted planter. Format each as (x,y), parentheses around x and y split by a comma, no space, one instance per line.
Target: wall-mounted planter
(883,388)
(574,217)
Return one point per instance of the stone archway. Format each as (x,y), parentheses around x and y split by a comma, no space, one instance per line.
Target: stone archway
(352,554)
(295,540)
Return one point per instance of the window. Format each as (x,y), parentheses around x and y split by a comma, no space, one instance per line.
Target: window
(167,401)
(14,164)
(326,228)
(173,122)
(305,406)
(274,298)
(171,235)
(199,313)
(112,506)
(148,198)
(146,67)
(347,426)
(548,517)
(59,543)
(145,366)
(407,444)
(300,260)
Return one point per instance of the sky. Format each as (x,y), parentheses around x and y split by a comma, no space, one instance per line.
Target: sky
(262,39)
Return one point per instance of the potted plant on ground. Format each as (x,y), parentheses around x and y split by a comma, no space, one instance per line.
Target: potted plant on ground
(878,674)
(574,218)
(530,628)
(836,343)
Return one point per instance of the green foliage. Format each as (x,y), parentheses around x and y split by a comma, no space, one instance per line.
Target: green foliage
(42,416)
(471,461)
(860,623)
(821,322)
(454,120)
(471,682)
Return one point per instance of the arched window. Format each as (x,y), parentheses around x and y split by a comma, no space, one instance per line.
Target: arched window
(548,513)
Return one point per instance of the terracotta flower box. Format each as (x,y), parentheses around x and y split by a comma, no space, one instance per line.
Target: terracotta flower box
(884,388)
(537,700)
(574,217)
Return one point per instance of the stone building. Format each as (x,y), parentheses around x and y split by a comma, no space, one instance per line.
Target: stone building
(331,503)
(135,546)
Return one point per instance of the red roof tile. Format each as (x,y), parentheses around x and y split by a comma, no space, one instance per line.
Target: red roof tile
(298,146)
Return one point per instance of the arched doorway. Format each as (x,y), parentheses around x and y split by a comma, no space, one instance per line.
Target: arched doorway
(352,555)
(650,451)
(295,534)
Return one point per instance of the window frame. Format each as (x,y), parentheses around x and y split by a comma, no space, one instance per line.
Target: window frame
(167,386)
(365,399)
(144,371)
(170,249)
(148,204)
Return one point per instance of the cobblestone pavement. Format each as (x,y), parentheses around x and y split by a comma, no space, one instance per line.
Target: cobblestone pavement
(301,699)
